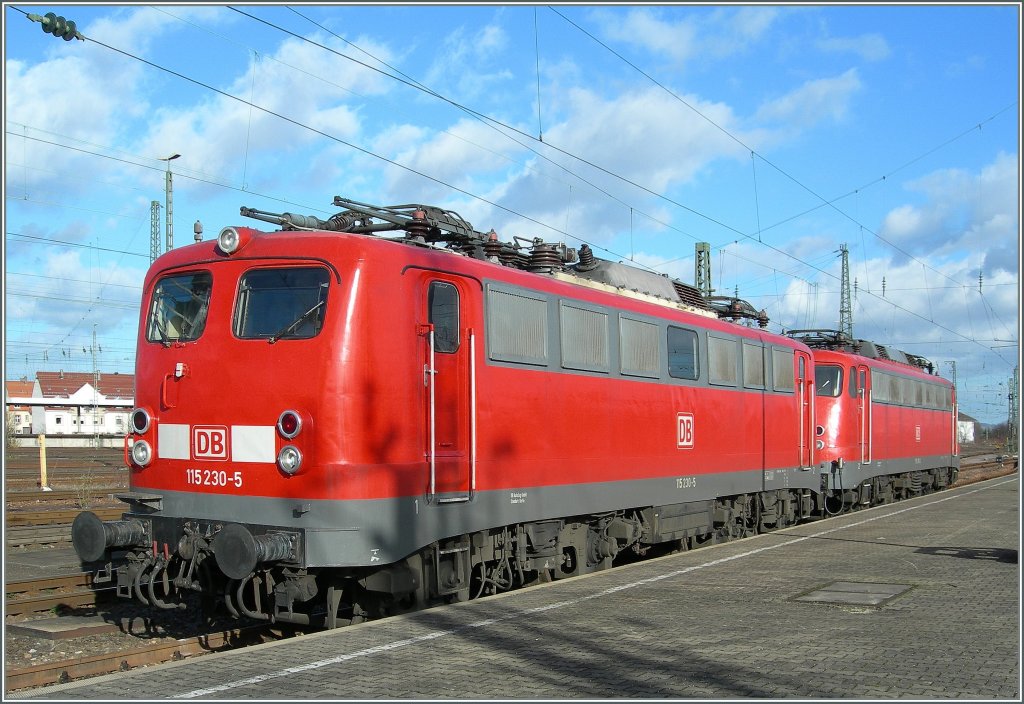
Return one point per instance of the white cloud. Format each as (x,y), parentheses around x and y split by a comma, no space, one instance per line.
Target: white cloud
(722,33)
(814,101)
(870,47)
(962,212)
(462,155)
(643,28)
(136,30)
(753,22)
(469,63)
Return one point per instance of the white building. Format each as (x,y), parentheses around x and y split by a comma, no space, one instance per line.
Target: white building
(74,410)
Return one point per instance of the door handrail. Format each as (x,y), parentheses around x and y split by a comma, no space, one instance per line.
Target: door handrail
(472,412)
(429,373)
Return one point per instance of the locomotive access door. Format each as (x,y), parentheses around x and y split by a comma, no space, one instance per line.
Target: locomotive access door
(449,381)
(805,390)
(863,392)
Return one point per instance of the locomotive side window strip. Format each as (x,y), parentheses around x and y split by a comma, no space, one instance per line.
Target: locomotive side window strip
(638,348)
(783,378)
(753,366)
(722,361)
(897,390)
(579,337)
(281,303)
(880,387)
(584,336)
(179,306)
(683,359)
(517,327)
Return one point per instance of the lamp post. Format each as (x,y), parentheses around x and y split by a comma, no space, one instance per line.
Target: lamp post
(169,203)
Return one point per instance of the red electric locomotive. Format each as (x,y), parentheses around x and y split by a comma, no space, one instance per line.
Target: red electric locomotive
(388,409)
(885,424)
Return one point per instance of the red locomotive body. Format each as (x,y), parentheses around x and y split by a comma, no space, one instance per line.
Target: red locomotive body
(332,424)
(885,423)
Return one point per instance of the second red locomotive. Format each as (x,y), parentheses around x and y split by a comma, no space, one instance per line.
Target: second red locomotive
(885,422)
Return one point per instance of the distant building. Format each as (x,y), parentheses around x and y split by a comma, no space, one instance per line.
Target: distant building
(18,418)
(72,409)
(966,428)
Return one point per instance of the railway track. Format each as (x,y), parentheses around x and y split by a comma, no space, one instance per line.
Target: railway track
(94,665)
(33,596)
(94,496)
(47,527)
(81,481)
(59,517)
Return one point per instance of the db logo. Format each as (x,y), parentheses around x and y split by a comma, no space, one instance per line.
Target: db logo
(209,442)
(684,430)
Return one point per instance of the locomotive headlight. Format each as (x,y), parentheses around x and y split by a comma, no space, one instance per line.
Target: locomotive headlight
(289,424)
(142,453)
(232,239)
(289,459)
(228,240)
(140,420)
(820,444)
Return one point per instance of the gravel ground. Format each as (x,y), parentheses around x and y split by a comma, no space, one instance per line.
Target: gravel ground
(24,651)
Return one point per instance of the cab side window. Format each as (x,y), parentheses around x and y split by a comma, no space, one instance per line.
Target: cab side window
(443,302)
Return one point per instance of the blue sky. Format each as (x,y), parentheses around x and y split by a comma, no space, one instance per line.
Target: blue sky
(775,133)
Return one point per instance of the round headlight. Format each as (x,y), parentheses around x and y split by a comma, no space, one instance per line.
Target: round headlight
(289,459)
(140,420)
(142,453)
(228,240)
(289,424)
(820,444)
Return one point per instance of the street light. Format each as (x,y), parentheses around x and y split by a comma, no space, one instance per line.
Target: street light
(169,203)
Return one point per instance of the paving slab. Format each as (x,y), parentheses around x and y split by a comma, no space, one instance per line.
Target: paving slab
(63,627)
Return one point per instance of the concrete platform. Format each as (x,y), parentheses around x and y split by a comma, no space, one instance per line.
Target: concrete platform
(63,627)
(721,622)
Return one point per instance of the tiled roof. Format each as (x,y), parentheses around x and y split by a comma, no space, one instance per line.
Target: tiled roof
(64,384)
(18,389)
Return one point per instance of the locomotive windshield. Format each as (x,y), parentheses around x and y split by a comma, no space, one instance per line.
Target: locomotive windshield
(275,304)
(828,380)
(178,311)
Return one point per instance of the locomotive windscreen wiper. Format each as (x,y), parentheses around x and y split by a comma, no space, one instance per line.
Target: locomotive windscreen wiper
(294,324)
(160,320)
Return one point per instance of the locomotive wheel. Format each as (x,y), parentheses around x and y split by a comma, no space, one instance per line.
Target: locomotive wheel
(750,516)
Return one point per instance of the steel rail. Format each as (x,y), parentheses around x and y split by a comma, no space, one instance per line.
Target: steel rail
(77,668)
